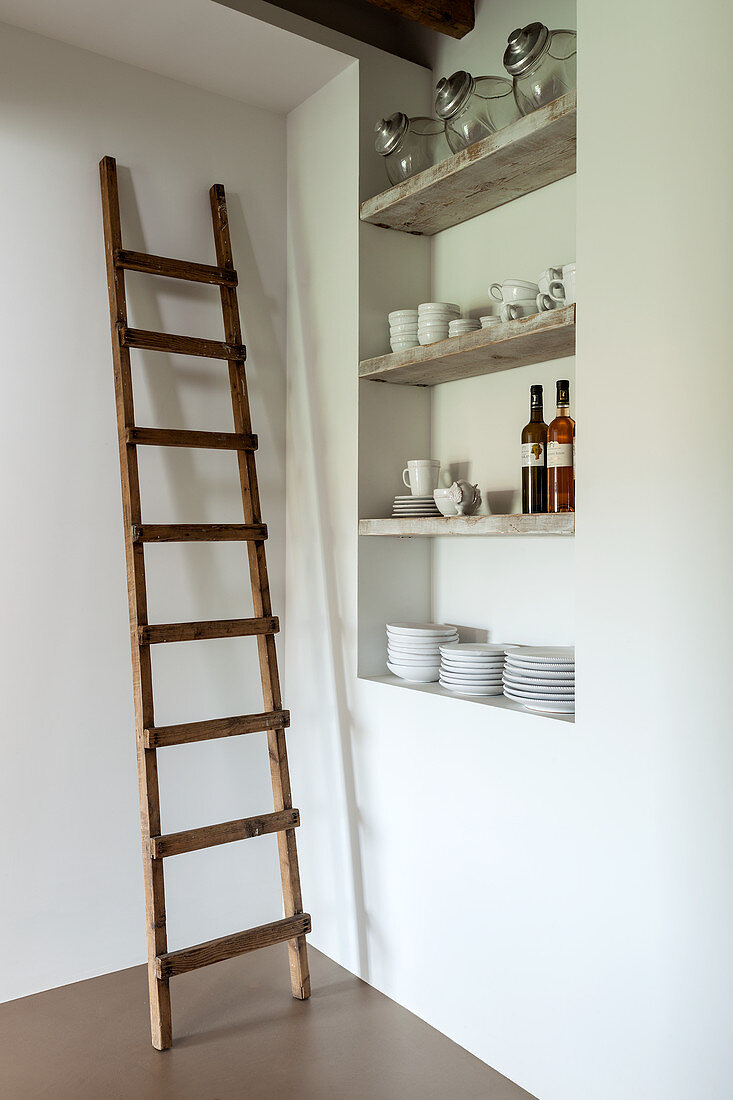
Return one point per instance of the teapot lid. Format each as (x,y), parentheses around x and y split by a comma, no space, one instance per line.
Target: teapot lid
(452,93)
(526,44)
(390,132)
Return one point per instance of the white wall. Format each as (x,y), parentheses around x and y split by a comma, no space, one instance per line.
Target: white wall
(71,903)
(557,898)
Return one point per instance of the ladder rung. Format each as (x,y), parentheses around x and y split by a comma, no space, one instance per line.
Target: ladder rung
(180,437)
(183,345)
(174,269)
(191,840)
(199,532)
(216,628)
(158,737)
(228,947)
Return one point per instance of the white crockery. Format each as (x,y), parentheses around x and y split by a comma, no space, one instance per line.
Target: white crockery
(511,290)
(542,653)
(401,329)
(402,314)
(462,690)
(547,276)
(421,476)
(426,340)
(545,303)
(513,311)
(474,649)
(427,674)
(404,344)
(431,307)
(489,320)
(563,290)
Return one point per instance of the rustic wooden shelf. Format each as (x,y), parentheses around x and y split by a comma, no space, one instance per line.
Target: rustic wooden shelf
(481,526)
(535,339)
(530,153)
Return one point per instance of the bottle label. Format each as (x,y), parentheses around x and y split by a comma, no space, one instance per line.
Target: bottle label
(533,454)
(559,454)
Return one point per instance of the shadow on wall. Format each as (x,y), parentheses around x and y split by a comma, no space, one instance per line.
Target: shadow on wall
(308,433)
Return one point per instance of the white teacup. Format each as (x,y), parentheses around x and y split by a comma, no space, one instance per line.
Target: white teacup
(512,290)
(512,311)
(563,290)
(548,276)
(545,302)
(421,476)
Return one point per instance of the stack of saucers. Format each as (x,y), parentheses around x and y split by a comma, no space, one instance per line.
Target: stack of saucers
(403,329)
(541,677)
(433,319)
(472,668)
(415,506)
(462,325)
(413,649)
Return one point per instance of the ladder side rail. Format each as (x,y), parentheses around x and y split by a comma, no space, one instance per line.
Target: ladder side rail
(279,771)
(160,1005)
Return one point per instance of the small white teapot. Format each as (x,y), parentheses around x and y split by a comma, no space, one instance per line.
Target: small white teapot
(465,496)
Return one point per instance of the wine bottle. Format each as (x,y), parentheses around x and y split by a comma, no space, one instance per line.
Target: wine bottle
(534,456)
(560,455)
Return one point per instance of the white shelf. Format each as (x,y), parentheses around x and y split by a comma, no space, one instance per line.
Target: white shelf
(498,702)
(531,526)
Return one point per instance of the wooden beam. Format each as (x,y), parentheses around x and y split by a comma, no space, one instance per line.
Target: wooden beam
(452,17)
(174,269)
(180,345)
(183,437)
(158,737)
(208,836)
(199,532)
(228,947)
(215,628)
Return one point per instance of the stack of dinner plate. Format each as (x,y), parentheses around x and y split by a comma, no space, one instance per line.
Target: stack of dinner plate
(541,677)
(413,649)
(472,668)
(415,506)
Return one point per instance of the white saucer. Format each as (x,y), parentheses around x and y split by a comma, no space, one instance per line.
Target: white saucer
(474,649)
(543,653)
(470,691)
(421,630)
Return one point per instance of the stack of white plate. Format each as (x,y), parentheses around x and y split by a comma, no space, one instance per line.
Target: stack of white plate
(472,668)
(462,325)
(415,506)
(541,677)
(403,329)
(433,319)
(413,649)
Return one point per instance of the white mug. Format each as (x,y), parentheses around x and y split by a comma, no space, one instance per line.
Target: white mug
(512,290)
(545,302)
(512,311)
(421,476)
(548,276)
(563,290)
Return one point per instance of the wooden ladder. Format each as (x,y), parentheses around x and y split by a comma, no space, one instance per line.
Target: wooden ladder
(162,963)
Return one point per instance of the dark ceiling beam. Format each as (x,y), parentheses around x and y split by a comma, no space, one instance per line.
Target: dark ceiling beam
(453,17)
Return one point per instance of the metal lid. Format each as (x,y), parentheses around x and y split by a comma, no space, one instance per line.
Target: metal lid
(526,45)
(390,132)
(452,93)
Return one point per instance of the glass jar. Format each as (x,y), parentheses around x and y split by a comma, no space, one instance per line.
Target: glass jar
(542,63)
(472,107)
(409,145)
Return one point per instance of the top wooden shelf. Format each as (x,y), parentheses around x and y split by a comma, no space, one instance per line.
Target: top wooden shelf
(536,150)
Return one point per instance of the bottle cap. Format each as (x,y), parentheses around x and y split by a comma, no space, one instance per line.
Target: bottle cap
(563,391)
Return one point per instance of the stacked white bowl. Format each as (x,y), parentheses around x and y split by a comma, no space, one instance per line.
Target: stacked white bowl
(413,649)
(433,319)
(403,329)
(472,668)
(541,677)
(462,325)
(489,320)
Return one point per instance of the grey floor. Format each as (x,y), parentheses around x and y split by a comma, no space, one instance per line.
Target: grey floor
(237,1033)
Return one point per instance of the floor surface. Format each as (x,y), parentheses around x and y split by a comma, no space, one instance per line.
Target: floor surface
(237,1034)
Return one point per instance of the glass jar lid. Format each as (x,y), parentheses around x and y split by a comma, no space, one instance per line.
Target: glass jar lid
(390,132)
(526,45)
(452,93)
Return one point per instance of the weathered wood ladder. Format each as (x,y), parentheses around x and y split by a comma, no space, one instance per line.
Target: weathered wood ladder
(164,964)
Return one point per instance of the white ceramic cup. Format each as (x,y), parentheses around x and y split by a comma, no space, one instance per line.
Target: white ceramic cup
(421,476)
(512,311)
(512,290)
(545,302)
(563,290)
(548,276)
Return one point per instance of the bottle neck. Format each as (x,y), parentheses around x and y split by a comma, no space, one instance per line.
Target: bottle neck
(564,411)
(536,414)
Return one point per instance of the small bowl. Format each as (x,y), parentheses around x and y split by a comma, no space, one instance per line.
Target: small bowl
(400,330)
(402,315)
(444,504)
(445,307)
(425,674)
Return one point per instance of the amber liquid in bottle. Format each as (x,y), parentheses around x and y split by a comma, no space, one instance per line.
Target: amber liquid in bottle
(534,456)
(560,455)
